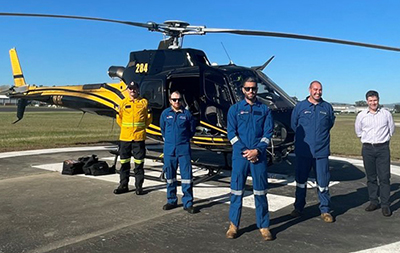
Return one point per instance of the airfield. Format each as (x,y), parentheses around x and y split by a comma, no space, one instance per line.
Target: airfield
(44,211)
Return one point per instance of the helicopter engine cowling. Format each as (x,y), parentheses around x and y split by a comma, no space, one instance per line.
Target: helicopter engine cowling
(116,71)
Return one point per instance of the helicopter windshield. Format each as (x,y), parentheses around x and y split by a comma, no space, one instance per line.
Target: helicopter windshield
(268,92)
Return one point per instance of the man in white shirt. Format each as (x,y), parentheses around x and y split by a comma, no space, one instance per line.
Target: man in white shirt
(375,127)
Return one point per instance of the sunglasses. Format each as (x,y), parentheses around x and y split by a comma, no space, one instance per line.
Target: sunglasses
(250,88)
(176,100)
(133,88)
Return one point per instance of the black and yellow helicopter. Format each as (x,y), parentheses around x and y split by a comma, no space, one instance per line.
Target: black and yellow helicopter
(208,90)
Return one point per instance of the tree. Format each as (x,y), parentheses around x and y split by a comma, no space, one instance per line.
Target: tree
(397,108)
(361,103)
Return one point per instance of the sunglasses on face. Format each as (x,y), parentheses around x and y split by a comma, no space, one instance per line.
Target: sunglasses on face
(250,88)
(175,100)
(133,89)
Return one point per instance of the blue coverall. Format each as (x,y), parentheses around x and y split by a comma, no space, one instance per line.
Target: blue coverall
(249,127)
(177,128)
(312,124)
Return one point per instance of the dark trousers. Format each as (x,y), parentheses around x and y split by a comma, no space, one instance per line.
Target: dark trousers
(240,169)
(376,160)
(321,168)
(136,149)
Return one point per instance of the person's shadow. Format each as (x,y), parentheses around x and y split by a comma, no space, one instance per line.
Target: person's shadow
(395,197)
(340,171)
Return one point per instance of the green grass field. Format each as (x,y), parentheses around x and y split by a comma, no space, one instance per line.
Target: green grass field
(60,128)
(344,141)
(54,129)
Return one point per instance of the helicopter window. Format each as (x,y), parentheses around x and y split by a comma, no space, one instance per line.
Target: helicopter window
(152,90)
(217,92)
(189,89)
(266,91)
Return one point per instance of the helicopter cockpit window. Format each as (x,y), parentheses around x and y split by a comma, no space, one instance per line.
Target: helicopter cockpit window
(152,90)
(267,94)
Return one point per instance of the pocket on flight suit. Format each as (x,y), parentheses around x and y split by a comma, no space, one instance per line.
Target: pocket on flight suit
(305,118)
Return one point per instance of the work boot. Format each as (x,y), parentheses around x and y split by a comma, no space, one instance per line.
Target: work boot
(139,188)
(386,211)
(190,209)
(295,213)
(232,231)
(169,206)
(121,189)
(327,217)
(139,191)
(266,234)
(371,207)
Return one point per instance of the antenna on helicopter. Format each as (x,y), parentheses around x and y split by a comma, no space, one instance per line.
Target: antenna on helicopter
(226,52)
(81,119)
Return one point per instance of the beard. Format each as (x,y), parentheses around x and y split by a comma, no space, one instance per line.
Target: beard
(250,96)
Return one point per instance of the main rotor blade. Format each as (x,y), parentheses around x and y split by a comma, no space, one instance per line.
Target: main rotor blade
(297,36)
(145,25)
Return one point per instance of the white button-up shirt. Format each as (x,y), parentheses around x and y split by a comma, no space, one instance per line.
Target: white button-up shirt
(374,128)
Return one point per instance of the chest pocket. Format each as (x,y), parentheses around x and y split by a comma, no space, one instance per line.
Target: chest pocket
(128,108)
(324,118)
(243,118)
(259,117)
(305,117)
(182,120)
(139,108)
(169,120)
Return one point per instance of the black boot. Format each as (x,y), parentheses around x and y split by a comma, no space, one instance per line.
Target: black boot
(139,189)
(121,189)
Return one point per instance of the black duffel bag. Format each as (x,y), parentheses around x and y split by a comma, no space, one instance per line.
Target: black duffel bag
(101,168)
(72,167)
(97,168)
(89,161)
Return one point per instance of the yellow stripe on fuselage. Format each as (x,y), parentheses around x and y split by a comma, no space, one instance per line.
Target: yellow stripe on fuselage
(214,127)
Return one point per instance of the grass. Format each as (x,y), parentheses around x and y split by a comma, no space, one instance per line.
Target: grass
(60,128)
(344,141)
(54,129)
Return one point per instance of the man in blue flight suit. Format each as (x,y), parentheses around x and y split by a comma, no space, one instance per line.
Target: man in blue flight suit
(250,128)
(312,120)
(177,127)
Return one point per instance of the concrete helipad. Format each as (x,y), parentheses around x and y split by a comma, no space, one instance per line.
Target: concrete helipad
(44,211)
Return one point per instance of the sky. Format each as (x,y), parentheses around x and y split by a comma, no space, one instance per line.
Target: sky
(67,52)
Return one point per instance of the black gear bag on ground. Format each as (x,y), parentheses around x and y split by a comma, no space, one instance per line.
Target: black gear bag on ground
(72,167)
(97,168)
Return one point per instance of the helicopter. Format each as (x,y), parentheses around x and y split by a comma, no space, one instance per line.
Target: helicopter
(207,90)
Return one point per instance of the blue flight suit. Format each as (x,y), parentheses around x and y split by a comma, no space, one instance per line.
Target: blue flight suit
(249,127)
(312,125)
(177,128)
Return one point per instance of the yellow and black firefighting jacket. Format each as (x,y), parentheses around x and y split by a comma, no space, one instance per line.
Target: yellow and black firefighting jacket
(133,118)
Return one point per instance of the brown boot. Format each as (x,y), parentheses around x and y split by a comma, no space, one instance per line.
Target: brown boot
(266,234)
(232,231)
(327,217)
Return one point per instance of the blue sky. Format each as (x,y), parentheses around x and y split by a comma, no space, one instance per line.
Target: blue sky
(64,52)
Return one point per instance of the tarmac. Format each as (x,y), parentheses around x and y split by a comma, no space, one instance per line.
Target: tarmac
(44,211)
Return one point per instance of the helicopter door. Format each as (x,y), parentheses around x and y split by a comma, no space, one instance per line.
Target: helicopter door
(189,87)
(153,91)
(218,99)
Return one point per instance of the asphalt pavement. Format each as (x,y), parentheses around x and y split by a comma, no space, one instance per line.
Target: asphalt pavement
(44,211)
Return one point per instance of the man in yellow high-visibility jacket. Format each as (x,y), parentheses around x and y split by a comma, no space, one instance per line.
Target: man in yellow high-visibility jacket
(133,118)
